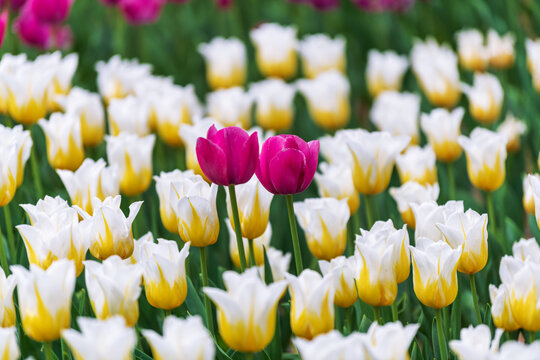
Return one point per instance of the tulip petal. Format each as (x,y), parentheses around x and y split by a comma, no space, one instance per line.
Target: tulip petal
(212,161)
(287,171)
(312,159)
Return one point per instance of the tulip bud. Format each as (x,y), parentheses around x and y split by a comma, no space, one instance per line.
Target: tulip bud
(45,299)
(336,181)
(374,155)
(528,197)
(321,53)
(287,164)
(114,288)
(501,311)
(115,339)
(389,341)
(7,309)
(435,67)
(397,114)
(473,55)
(182,339)
(442,129)
(435,276)
(31,30)
(279,263)
(230,107)
(128,115)
(246,310)
(477,341)
(485,98)
(21,141)
(140,12)
(133,157)
(8,343)
(412,192)
(417,164)
(275,50)
(259,244)
(225,62)
(274,104)
(312,304)
(324,221)
(512,128)
(486,156)
(332,345)
(500,49)
(385,71)
(342,270)
(427,214)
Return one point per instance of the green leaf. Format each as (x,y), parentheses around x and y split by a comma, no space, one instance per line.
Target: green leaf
(455,318)
(141,355)
(193,301)
(268,277)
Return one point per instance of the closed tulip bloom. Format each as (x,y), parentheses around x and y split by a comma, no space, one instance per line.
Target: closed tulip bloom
(501,310)
(467,231)
(336,181)
(128,115)
(275,50)
(133,157)
(22,142)
(228,156)
(64,69)
(31,31)
(117,78)
(342,270)
(485,98)
(225,62)
(533,61)
(246,309)
(500,49)
(397,114)
(428,214)
(8,343)
(182,339)
(518,350)
(140,12)
(115,339)
(114,288)
(332,345)
(7,309)
(274,108)
(87,106)
(8,65)
(189,135)
(321,53)
(164,273)
(45,206)
(417,164)
(472,53)
(327,97)
(259,244)
(335,148)
(385,71)
(476,343)
(324,221)
(155,91)
(287,164)
(374,155)
(45,299)
(486,157)
(389,341)
(528,197)
(51,11)
(110,230)
(412,192)
(312,304)
(512,128)
(435,67)
(442,128)
(435,276)
(230,107)
(279,263)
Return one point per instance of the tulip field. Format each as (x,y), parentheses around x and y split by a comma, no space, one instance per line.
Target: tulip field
(269,179)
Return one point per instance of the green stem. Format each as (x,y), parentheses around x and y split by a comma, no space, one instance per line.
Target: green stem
(394,311)
(237,230)
(294,234)
(3,257)
(252,261)
(49,354)
(475,299)
(451,180)
(356,223)
(207,304)
(532,336)
(36,177)
(369,210)
(492,221)
(65,355)
(377,315)
(348,316)
(440,334)
(9,232)
(249,356)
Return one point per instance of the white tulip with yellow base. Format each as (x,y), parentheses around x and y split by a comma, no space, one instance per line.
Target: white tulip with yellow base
(108,339)
(312,304)
(8,65)
(45,299)
(275,50)
(109,229)
(274,109)
(185,339)
(468,232)
(501,310)
(389,341)
(324,221)
(114,288)
(332,345)
(7,309)
(152,90)
(335,148)
(397,114)
(247,309)
(442,128)
(253,207)
(417,164)
(342,270)
(472,53)
(428,213)
(259,244)
(44,207)
(64,142)
(87,106)
(476,343)
(533,61)
(133,157)
(8,174)
(435,272)
(230,107)
(500,49)
(335,181)
(327,97)
(9,350)
(385,71)
(189,135)
(526,248)
(534,182)
(130,115)
(513,129)
(321,53)
(279,263)
(164,273)
(412,192)
(64,69)
(374,155)
(22,141)
(225,62)
(486,157)
(485,98)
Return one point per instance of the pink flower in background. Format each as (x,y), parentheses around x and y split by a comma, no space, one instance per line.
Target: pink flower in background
(384,5)
(31,31)
(50,11)
(224,4)
(3,24)
(287,164)
(110,2)
(140,12)
(62,37)
(228,156)
(324,4)
(14,5)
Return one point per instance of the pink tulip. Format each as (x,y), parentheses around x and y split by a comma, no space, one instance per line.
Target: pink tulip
(224,4)
(287,164)
(110,2)
(51,11)
(324,5)
(140,12)
(31,31)
(228,156)
(3,25)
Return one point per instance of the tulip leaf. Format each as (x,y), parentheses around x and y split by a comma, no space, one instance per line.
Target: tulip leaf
(455,317)
(193,301)
(268,278)
(221,354)
(138,354)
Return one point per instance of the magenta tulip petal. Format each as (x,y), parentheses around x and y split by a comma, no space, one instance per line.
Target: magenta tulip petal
(248,157)
(212,161)
(286,169)
(312,159)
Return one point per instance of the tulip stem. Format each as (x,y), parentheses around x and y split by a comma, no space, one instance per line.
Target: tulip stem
(369,210)
(252,261)
(532,336)
(349,318)
(207,304)
(237,230)
(440,334)
(36,177)
(451,180)
(475,298)
(9,232)
(249,356)
(492,223)
(394,311)
(294,234)
(49,354)
(377,315)
(3,257)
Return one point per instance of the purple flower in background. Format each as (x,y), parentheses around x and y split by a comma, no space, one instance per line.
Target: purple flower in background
(324,4)
(384,5)
(110,2)
(31,31)
(224,4)
(50,11)
(140,12)
(3,23)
